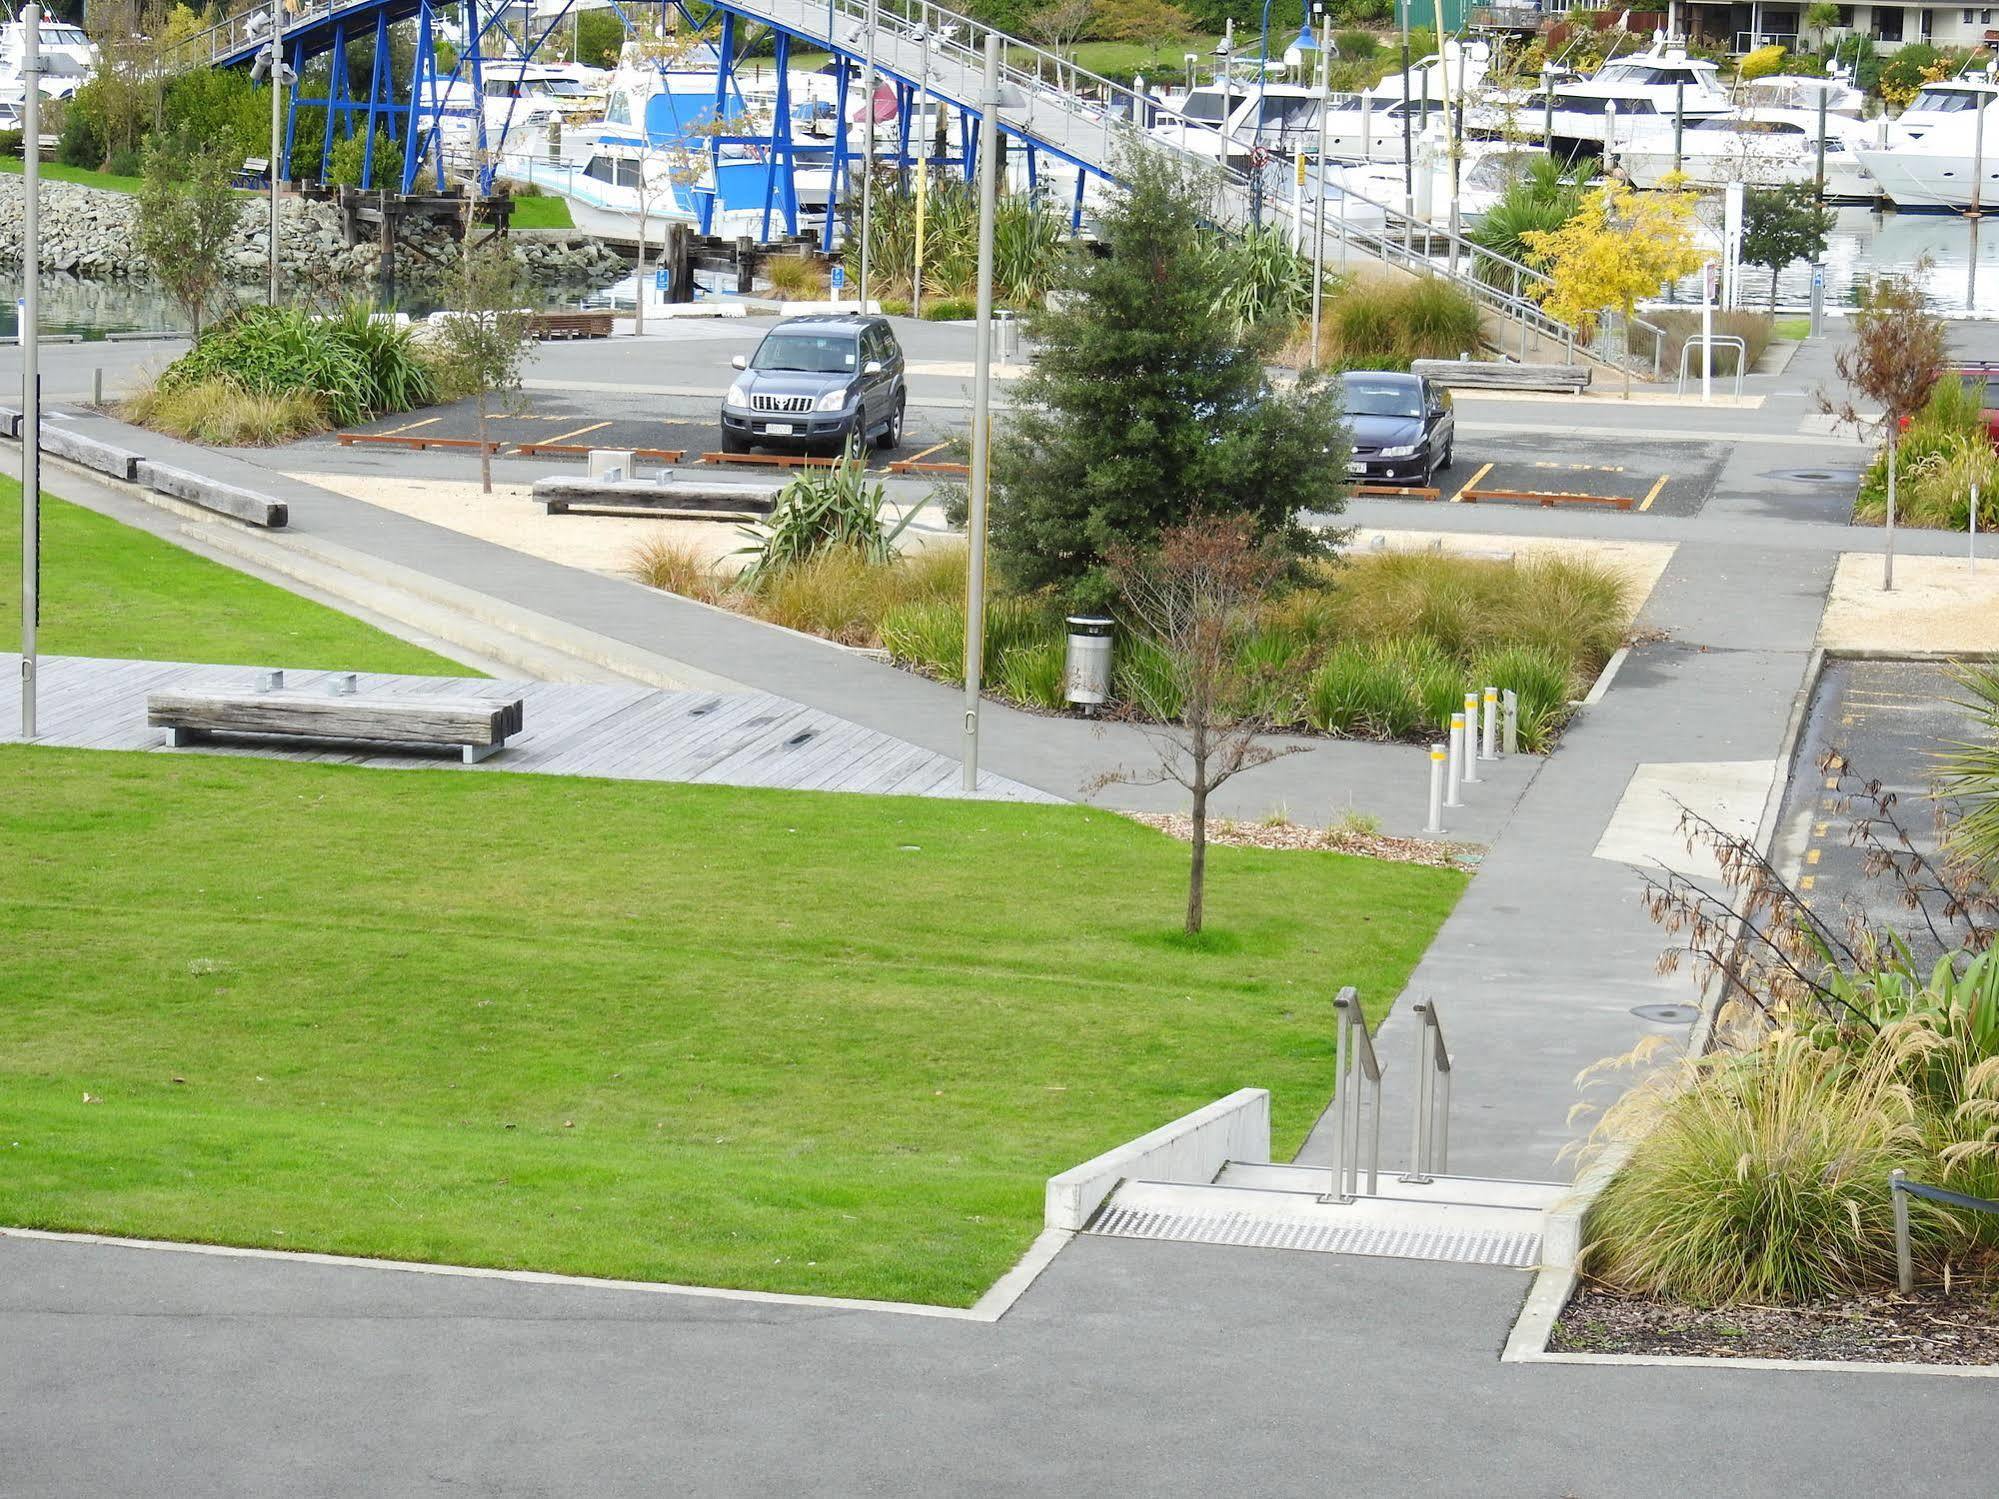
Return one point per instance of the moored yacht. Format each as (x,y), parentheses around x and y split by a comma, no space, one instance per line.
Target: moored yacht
(1938,168)
(1761,147)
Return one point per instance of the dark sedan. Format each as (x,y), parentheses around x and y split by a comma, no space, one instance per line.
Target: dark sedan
(1401,426)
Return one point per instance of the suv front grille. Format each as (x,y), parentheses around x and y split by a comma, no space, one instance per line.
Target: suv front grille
(780,403)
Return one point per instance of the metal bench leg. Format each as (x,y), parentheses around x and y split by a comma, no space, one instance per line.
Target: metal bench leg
(179,738)
(474,753)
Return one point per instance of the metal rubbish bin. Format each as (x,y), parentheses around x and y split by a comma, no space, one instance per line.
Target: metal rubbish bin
(1086,678)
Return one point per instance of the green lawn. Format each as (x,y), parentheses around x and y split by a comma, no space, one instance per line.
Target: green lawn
(109,590)
(55,171)
(542,213)
(790,1041)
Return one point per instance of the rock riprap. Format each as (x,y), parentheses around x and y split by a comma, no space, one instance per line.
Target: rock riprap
(89,232)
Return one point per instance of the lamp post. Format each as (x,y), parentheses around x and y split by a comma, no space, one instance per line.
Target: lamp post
(277,66)
(31,380)
(982,400)
(867,151)
(1408,141)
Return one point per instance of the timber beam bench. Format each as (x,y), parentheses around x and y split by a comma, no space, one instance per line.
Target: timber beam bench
(560,496)
(475,727)
(1472,374)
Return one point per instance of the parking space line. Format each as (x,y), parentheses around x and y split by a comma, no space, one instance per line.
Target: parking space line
(934,448)
(411,427)
(1471,483)
(1584,468)
(1653,493)
(594,426)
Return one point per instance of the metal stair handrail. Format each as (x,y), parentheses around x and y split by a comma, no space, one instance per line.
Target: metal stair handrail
(1354,1063)
(1430,1144)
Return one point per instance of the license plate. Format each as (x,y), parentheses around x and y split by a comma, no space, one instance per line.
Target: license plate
(1356,467)
(778,429)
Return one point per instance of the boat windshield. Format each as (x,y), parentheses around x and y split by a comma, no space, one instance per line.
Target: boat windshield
(1379,398)
(1204,105)
(810,353)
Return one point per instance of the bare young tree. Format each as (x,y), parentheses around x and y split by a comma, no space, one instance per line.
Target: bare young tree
(1895,360)
(1194,599)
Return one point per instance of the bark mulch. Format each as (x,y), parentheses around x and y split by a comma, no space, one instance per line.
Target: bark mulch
(1292,835)
(1928,1327)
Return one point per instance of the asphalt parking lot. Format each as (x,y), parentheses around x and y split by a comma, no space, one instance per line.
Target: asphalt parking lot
(1656,478)
(1889,718)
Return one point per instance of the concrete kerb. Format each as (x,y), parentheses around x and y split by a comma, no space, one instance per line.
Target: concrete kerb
(1565,1224)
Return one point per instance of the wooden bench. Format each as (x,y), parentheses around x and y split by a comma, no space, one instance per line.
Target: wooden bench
(475,727)
(549,325)
(560,496)
(1469,374)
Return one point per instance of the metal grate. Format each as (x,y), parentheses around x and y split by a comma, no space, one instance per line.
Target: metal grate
(789,404)
(1520,1250)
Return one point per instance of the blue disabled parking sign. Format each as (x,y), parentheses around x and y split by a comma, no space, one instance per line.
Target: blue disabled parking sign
(662,279)
(839,277)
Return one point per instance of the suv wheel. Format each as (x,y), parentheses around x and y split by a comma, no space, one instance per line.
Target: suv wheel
(891,435)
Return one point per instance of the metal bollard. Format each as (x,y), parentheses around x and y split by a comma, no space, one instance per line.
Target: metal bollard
(1489,747)
(1436,823)
(271,681)
(1451,798)
(1905,1268)
(1511,705)
(1471,739)
(97,386)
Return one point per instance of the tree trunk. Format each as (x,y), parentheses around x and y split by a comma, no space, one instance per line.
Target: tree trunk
(1197,867)
(485,452)
(1773,288)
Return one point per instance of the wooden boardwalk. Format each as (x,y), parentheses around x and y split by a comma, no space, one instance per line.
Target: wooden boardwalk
(623,733)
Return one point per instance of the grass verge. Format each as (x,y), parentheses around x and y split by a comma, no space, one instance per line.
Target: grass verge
(777,1040)
(55,171)
(542,211)
(109,590)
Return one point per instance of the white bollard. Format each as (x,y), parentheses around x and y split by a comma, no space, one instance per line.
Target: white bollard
(1511,704)
(1489,745)
(1436,823)
(1471,739)
(1451,778)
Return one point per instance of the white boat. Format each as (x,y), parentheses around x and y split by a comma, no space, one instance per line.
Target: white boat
(1761,147)
(1937,169)
(1938,103)
(1656,83)
(1801,91)
(68,59)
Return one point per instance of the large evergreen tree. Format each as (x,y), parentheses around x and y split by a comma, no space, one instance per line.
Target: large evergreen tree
(1147,407)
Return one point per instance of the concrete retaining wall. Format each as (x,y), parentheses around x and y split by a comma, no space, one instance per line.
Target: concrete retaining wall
(1192,1148)
(225,499)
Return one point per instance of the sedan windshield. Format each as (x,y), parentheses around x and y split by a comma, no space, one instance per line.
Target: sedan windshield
(812,353)
(1370,398)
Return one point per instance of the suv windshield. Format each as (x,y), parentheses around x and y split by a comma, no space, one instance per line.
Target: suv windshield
(813,353)
(1371,399)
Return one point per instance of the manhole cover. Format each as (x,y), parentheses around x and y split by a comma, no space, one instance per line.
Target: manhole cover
(1667,1014)
(1816,475)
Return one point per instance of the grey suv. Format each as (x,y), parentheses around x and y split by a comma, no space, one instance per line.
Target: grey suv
(818,382)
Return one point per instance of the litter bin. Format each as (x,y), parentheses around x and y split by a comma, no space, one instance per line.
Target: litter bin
(1086,678)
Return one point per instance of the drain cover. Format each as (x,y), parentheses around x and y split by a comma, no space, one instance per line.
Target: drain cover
(1815,475)
(1520,1249)
(1667,1014)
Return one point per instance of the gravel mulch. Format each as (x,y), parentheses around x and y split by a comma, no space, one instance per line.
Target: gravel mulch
(1291,835)
(1929,1327)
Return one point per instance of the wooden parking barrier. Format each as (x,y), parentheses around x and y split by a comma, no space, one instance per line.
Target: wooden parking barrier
(417,444)
(583,450)
(772,460)
(911,466)
(1397,491)
(1546,499)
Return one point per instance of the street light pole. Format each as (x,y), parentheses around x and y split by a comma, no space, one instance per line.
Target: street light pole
(1319,177)
(1408,140)
(982,399)
(867,152)
(277,138)
(31,378)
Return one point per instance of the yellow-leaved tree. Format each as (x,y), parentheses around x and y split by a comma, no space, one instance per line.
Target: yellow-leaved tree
(1619,247)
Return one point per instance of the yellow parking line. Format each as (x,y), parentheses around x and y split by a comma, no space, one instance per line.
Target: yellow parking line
(1812,855)
(1471,483)
(594,426)
(1807,882)
(938,447)
(411,427)
(1646,503)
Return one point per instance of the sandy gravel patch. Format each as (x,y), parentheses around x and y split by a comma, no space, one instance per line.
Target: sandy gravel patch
(1937,605)
(1640,562)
